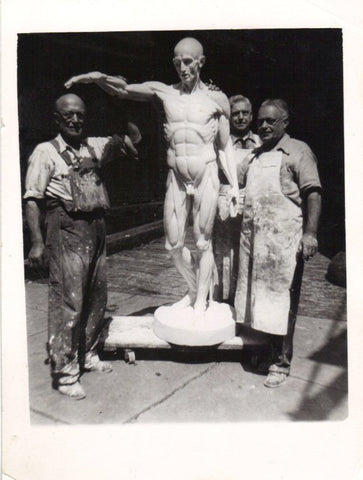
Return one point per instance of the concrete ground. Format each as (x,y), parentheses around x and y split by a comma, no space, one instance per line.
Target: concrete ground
(195,387)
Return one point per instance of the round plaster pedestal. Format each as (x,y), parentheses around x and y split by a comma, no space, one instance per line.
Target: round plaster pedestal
(183,327)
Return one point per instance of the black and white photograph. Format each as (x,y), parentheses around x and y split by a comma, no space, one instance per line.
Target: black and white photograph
(181,205)
(183,264)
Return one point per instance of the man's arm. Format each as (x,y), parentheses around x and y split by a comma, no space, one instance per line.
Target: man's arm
(117,86)
(33,214)
(309,242)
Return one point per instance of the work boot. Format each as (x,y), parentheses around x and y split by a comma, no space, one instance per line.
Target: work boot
(276,377)
(94,364)
(74,391)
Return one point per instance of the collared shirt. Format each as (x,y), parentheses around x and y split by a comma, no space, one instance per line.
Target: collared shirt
(248,141)
(299,171)
(47,174)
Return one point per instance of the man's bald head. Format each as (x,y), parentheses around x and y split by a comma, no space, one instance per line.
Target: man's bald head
(67,99)
(69,112)
(189,46)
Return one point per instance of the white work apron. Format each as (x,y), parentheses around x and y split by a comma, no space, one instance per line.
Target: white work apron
(270,235)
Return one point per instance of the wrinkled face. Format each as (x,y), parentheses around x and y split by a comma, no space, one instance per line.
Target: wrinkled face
(271,124)
(69,115)
(241,117)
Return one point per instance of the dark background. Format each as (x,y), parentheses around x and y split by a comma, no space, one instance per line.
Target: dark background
(302,66)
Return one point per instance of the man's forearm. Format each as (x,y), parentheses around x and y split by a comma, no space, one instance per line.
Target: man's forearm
(32,214)
(313,204)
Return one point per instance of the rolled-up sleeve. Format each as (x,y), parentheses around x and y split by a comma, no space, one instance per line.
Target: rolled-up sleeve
(39,172)
(307,171)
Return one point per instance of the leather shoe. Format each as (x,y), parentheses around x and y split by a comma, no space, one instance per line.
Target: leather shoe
(275,379)
(99,367)
(74,391)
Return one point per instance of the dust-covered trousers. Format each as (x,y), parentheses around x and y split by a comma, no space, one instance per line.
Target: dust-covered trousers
(77,288)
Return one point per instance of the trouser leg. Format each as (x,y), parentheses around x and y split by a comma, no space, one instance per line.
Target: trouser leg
(226,255)
(96,296)
(282,345)
(68,273)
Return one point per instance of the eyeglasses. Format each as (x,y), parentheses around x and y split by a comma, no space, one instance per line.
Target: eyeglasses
(68,116)
(271,122)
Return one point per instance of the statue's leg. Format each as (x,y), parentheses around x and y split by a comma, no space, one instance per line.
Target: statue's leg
(176,210)
(204,211)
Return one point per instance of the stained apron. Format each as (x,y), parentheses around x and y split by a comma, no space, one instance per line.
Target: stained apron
(270,235)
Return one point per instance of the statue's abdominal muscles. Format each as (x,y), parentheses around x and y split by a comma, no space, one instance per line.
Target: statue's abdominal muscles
(190,130)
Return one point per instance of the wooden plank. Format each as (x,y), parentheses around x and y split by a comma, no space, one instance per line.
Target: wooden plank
(136,332)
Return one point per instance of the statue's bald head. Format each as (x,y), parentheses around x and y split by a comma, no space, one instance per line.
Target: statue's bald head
(188,61)
(189,46)
(68,99)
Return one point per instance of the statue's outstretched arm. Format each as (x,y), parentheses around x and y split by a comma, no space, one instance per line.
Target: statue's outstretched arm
(115,85)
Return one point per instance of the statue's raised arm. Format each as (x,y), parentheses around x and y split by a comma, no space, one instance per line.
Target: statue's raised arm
(116,85)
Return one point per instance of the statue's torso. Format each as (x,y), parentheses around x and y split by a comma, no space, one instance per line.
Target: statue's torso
(190,128)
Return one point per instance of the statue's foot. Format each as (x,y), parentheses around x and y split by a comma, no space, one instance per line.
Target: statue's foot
(185,302)
(200,310)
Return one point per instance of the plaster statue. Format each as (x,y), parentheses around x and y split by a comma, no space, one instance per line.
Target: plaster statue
(196,129)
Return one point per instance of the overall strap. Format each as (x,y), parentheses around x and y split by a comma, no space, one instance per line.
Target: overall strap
(64,154)
(91,151)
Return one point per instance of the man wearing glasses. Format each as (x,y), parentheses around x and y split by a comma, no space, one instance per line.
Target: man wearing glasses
(279,232)
(196,129)
(65,174)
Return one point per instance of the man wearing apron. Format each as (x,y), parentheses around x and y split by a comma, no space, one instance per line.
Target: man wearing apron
(227,228)
(65,172)
(278,233)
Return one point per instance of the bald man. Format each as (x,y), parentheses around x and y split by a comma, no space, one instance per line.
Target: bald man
(197,134)
(65,173)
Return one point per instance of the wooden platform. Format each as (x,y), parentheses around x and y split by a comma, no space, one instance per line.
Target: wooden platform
(131,332)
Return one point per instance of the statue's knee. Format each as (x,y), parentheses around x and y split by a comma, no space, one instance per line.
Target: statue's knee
(174,248)
(203,245)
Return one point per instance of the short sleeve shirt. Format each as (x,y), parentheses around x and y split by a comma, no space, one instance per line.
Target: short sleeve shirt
(299,171)
(47,174)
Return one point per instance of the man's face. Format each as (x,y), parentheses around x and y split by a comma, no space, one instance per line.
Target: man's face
(187,67)
(241,117)
(70,117)
(271,124)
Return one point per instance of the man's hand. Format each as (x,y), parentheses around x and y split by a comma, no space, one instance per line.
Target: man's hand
(212,86)
(35,257)
(308,246)
(91,77)
(232,200)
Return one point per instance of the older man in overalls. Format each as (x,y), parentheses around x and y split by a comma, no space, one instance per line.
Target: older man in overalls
(279,232)
(65,173)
